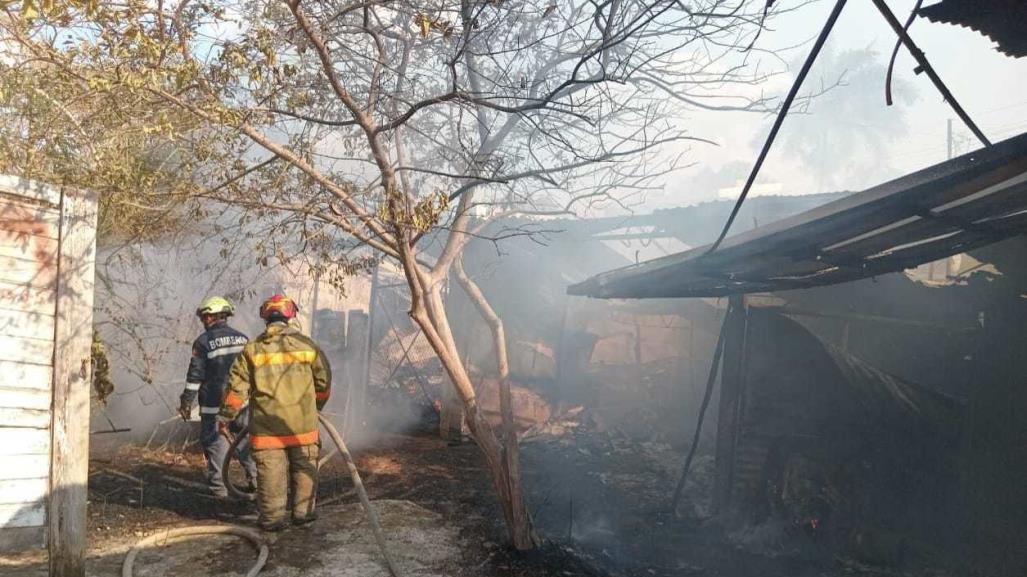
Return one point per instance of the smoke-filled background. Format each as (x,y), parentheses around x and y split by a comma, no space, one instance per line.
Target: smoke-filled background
(879,420)
(147,294)
(882,421)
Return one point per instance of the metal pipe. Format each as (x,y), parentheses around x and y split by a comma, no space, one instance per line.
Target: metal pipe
(924,65)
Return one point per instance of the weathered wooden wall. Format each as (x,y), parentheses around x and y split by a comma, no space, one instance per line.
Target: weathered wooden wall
(29,231)
(47,254)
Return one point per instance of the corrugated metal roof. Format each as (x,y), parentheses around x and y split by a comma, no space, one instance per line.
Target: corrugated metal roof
(1004,21)
(958,205)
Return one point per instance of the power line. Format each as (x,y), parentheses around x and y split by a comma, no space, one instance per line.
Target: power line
(781,114)
(995,128)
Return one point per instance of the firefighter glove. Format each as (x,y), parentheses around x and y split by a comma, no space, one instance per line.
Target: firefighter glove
(185,409)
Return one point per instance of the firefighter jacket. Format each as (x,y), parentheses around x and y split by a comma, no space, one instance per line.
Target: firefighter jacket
(286,379)
(213,354)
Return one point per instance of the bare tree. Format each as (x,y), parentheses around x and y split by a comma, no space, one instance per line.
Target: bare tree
(850,122)
(398,125)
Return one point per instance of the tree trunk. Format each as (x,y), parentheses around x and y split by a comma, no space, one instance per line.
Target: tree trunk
(431,317)
(451,413)
(428,311)
(522,530)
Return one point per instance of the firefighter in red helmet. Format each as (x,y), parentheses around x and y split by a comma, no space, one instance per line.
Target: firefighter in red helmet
(286,379)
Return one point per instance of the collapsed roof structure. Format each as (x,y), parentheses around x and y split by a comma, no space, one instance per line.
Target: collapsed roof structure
(949,208)
(956,206)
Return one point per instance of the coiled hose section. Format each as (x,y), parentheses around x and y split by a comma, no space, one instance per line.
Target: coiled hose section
(253,536)
(181,533)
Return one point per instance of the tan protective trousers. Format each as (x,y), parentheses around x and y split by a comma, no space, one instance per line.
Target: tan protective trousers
(279,472)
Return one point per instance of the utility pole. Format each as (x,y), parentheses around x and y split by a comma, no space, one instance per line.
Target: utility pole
(950,138)
(948,261)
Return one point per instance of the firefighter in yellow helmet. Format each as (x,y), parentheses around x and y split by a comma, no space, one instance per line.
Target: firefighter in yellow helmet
(286,379)
(213,354)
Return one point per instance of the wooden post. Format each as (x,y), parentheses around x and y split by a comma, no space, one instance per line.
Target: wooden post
(730,394)
(360,376)
(356,359)
(451,415)
(69,461)
(371,305)
(561,369)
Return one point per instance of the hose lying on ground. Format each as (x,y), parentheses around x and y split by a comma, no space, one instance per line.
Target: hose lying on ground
(354,474)
(372,515)
(253,536)
(177,534)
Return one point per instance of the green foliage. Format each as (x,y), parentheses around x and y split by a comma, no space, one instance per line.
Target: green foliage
(422,216)
(62,124)
(164,107)
(114,98)
(103,383)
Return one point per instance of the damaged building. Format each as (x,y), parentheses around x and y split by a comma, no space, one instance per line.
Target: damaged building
(516,367)
(870,405)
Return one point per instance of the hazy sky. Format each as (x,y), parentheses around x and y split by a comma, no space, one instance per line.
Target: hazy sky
(991,86)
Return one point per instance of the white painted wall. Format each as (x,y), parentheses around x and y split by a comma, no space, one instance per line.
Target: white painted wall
(28,276)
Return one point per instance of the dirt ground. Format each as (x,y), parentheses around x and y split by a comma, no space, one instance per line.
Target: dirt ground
(338,544)
(435,503)
(600,502)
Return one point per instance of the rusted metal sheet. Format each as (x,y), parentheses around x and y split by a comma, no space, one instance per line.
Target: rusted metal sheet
(803,395)
(529,408)
(1004,21)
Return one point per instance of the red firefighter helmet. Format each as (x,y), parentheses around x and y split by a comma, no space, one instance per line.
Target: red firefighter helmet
(278,308)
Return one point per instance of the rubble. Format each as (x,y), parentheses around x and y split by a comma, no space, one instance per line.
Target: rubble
(557,426)
(530,408)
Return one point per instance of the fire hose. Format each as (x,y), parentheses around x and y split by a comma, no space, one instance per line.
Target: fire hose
(184,532)
(253,536)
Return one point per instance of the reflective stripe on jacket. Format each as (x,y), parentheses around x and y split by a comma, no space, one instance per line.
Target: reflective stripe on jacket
(286,379)
(212,356)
